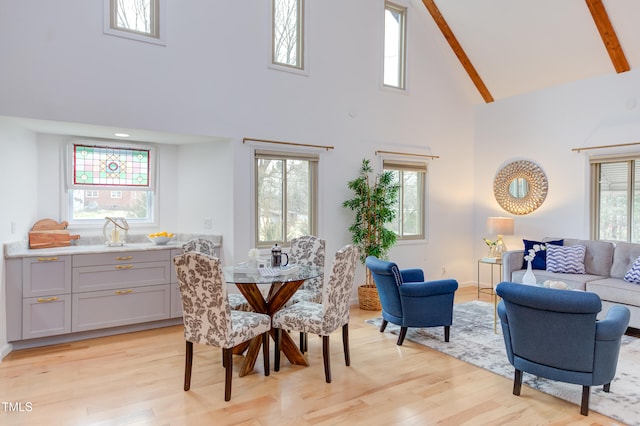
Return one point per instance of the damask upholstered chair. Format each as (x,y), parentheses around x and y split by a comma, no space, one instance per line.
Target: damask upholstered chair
(554,334)
(236,301)
(326,317)
(207,318)
(200,245)
(308,250)
(408,301)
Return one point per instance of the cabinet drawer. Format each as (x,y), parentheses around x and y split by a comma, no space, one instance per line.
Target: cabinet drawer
(120,257)
(109,277)
(46,276)
(103,309)
(46,316)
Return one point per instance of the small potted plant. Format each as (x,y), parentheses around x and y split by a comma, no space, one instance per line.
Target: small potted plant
(373,203)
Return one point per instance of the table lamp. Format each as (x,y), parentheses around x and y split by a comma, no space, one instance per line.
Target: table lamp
(499,226)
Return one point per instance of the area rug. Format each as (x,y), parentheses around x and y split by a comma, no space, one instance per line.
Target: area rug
(473,341)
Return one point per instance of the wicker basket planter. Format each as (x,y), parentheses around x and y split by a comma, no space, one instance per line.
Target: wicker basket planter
(368,298)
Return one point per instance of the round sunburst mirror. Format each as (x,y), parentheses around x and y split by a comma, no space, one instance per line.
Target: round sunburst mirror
(520,187)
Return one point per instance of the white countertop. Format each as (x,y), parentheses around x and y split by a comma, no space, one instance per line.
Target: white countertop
(91,245)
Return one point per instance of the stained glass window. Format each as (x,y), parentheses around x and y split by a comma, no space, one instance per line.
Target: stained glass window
(109,166)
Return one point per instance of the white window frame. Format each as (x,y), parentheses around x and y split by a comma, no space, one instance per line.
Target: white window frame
(66,201)
(158,34)
(633,159)
(314,159)
(402,60)
(303,41)
(390,164)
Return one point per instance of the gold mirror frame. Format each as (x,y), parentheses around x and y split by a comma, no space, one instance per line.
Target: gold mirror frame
(536,180)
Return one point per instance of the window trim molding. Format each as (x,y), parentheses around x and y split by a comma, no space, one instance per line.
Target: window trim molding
(67,182)
(160,22)
(312,155)
(411,165)
(401,6)
(304,70)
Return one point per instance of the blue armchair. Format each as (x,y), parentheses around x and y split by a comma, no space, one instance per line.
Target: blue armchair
(408,301)
(555,334)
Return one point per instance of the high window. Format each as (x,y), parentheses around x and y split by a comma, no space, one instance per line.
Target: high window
(287,33)
(110,180)
(135,19)
(615,199)
(410,217)
(395,29)
(285,194)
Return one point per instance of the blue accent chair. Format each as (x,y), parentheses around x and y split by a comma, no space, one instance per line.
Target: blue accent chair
(554,334)
(408,301)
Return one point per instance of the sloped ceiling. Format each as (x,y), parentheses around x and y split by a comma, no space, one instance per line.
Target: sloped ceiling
(519,46)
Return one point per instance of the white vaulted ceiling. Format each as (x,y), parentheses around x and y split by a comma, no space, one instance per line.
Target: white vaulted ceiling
(519,46)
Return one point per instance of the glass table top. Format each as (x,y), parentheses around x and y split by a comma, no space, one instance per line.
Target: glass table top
(244,275)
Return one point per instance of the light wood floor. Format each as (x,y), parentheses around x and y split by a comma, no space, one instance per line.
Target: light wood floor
(137,379)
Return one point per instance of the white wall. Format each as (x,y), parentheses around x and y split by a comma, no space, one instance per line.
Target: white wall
(212,79)
(18,189)
(544,127)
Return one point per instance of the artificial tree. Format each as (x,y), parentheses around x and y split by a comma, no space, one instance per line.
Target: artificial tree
(373,203)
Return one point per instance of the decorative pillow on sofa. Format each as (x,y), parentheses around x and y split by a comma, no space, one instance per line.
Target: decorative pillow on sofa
(566,259)
(633,274)
(540,261)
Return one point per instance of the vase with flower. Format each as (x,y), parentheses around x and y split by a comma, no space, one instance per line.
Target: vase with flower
(253,256)
(529,277)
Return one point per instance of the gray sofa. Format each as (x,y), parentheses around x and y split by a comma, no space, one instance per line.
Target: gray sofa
(605,262)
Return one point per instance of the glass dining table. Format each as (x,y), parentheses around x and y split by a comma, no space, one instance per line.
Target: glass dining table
(281,288)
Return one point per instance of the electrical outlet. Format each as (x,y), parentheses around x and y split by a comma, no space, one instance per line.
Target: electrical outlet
(208,223)
(444,271)
(13,227)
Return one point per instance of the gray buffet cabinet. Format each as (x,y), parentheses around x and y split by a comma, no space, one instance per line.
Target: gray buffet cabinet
(72,293)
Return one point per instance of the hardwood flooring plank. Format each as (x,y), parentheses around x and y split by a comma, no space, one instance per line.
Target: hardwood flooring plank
(137,379)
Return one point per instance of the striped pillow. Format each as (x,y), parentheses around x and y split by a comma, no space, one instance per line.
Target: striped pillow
(566,259)
(633,274)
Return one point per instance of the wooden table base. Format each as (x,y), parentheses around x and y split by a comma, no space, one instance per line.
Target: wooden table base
(279,294)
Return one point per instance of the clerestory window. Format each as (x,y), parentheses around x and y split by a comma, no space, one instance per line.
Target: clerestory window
(394,52)
(288,34)
(136,19)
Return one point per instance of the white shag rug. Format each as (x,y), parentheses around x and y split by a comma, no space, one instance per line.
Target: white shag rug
(472,340)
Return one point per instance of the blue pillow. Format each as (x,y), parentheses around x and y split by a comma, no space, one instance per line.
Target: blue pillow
(540,261)
(633,274)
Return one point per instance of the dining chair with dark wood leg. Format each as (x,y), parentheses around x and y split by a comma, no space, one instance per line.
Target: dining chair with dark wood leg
(209,320)
(326,317)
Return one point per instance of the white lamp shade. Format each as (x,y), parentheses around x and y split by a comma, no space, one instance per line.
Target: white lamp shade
(500,225)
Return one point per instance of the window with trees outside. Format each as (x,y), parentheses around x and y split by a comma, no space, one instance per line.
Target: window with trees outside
(615,198)
(287,33)
(285,196)
(395,29)
(135,19)
(110,181)
(410,217)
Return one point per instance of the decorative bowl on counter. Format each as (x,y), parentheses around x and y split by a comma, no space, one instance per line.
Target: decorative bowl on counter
(161,240)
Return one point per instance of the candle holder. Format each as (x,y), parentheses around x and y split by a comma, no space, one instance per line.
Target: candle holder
(115,231)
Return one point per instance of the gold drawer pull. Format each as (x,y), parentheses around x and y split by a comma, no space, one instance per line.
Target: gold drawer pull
(124,291)
(47,299)
(124,266)
(124,257)
(47,259)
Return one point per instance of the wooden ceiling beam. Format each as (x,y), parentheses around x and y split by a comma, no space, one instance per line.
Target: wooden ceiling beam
(608,34)
(458,50)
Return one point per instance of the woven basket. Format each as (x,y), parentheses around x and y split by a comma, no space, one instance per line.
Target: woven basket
(368,298)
